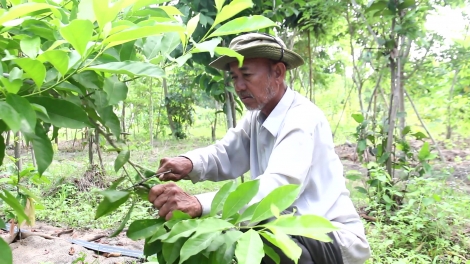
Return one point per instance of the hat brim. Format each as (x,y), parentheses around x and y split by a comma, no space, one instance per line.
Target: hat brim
(290,58)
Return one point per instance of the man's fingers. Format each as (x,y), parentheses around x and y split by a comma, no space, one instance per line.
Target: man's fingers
(170,177)
(155,192)
(165,210)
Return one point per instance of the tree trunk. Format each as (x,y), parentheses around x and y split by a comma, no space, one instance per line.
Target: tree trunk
(228,110)
(18,150)
(98,150)
(33,158)
(151,113)
(7,142)
(449,104)
(168,110)
(393,112)
(74,138)
(90,147)
(214,127)
(234,111)
(123,117)
(400,84)
(310,75)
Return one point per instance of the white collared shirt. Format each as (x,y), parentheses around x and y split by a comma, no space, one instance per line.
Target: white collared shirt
(293,145)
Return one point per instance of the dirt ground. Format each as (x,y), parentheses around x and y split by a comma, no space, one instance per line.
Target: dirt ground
(53,245)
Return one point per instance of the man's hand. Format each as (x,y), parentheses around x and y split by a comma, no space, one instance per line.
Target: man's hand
(179,166)
(169,197)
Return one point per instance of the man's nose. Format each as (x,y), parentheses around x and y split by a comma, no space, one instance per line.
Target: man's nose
(239,85)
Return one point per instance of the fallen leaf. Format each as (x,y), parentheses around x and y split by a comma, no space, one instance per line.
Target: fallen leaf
(71,251)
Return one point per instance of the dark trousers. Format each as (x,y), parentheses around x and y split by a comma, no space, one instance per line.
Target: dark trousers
(313,251)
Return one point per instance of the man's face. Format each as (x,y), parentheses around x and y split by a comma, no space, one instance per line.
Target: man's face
(253,82)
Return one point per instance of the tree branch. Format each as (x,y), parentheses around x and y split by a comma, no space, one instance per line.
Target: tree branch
(421,62)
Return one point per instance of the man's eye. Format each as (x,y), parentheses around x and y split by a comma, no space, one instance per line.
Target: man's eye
(246,75)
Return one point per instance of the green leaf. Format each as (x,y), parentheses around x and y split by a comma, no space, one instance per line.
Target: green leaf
(424,152)
(232,9)
(78,41)
(361,145)
(143,228)
(31,46)
(281,197)
(103,12)
(182,229)
(132,68)
(419,135)
(196,244)
(311,226)
(61,113)
(8,198)
(270,252)
(122,158)
(359,118)
(171,10)
(140,32)
(68,87)
(376,7)
(210,225)
(221,196)
(248,213)
(5,252)
(58,58)
(228,238)
(231,53)
(237,199)
(243,24)
(219,4)
(2,150)
(406,4)
(124,221)
(192,24)
(24,9)
(24,109)
(171,252)
(207,46)
(143,3)
(116,90)
(10,117)
(34,68)
(249,248)
(43,151)
(111,201)
(12,86)
(110,120)
(284,243)
(2,224)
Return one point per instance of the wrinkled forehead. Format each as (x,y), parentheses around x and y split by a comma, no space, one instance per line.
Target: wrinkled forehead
(250,64)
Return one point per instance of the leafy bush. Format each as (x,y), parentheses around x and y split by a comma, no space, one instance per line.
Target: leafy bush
(231,232)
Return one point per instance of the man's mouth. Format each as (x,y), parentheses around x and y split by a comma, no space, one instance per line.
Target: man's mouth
(245,96)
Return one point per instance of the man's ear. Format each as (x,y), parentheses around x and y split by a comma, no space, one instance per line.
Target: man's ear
(280,70)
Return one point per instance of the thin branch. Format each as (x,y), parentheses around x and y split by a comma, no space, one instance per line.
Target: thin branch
(421,62)
(354,3)
(425,127)
(146,179)
(113,144)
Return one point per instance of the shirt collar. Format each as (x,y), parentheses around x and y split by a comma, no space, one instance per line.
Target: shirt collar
(273,122)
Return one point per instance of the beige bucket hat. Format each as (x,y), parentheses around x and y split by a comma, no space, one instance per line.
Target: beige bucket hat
(258,45)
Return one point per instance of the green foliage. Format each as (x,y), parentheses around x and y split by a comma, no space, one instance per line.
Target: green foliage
(5,252)
(214,238)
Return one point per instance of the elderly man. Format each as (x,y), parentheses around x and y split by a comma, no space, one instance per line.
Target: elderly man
(283,139)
